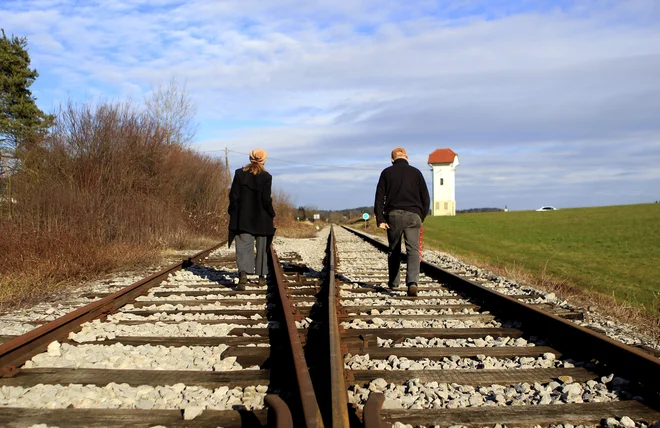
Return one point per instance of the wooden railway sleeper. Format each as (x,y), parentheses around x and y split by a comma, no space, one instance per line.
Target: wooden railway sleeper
(365,341)
(349,377)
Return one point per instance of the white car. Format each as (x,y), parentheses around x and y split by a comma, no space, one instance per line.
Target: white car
(547,208)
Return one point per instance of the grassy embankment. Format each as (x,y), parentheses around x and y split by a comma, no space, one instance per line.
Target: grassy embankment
(602,255)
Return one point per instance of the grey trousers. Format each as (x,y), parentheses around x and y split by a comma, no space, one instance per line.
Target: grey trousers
(403,223)
(245,259)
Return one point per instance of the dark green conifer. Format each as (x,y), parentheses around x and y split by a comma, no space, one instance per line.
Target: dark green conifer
(21,121)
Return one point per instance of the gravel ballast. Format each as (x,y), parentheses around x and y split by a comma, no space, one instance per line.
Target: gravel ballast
(143,357)
(482,362)
(124,396)
(415,394)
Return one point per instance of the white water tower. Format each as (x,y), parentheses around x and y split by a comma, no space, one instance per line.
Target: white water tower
(443,162)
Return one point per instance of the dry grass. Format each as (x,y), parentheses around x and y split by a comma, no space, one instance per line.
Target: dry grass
(624,312)
(45,266)
(285,221)
(298,229)
(104,191)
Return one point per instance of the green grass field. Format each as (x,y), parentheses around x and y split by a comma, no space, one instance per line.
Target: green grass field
(610,250)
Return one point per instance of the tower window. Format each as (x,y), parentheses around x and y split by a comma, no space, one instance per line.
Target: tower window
(442,181)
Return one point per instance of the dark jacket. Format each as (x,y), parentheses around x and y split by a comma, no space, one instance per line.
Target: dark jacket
(401,187)
(250,204)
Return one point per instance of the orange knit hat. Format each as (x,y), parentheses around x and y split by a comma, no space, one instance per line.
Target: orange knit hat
(258,156)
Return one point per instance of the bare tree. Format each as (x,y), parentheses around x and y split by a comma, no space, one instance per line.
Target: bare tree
(172,108)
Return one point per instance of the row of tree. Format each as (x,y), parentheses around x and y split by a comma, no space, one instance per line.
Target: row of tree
(349,215)
(307,213)
(99,156)
(89,188)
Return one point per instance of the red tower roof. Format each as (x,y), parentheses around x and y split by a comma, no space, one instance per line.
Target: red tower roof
(442,156)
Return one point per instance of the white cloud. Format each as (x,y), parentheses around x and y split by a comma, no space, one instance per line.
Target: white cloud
(520,94)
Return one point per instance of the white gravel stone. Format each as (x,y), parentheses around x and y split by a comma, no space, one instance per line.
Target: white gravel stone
(160,316)
(98,330)
(311,250)
(407,323)
(416,394)
(423,342)
(14,328)
(54,349)
(387,301)
(124,396)
(200,306)
(627,422)
(143,357)
(190,413)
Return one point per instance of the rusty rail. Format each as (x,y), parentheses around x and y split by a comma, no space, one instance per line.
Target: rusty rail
(339,397)
(310,407)
(371,413)
(283,418)
(569,338)
(16,351)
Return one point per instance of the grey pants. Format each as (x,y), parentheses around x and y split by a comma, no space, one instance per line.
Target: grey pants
(245,259)
(403,223)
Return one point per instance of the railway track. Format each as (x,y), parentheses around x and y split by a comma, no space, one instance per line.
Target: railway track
(179,348)
(462,355)
(314,349)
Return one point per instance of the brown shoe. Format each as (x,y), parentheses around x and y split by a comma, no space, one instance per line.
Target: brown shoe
(262,281)
(242,280)
(412,289)
(242,277)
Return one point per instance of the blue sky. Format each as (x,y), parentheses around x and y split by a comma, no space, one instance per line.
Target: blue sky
(546,102)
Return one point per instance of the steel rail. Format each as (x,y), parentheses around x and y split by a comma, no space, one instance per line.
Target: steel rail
(283,418)
(16,351)
(339,393)
(310,407)
(568,337)
(371,413)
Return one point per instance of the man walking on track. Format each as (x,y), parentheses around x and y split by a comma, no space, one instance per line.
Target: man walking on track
(402,202)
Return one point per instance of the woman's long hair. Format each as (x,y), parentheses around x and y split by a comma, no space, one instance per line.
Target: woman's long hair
(254,168)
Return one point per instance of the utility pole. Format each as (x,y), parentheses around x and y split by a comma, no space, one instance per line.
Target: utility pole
(227,163)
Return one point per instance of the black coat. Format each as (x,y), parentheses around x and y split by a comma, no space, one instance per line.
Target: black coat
(250,204)
(401,187)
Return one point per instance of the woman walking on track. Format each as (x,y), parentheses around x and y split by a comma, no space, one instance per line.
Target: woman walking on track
(251,216)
